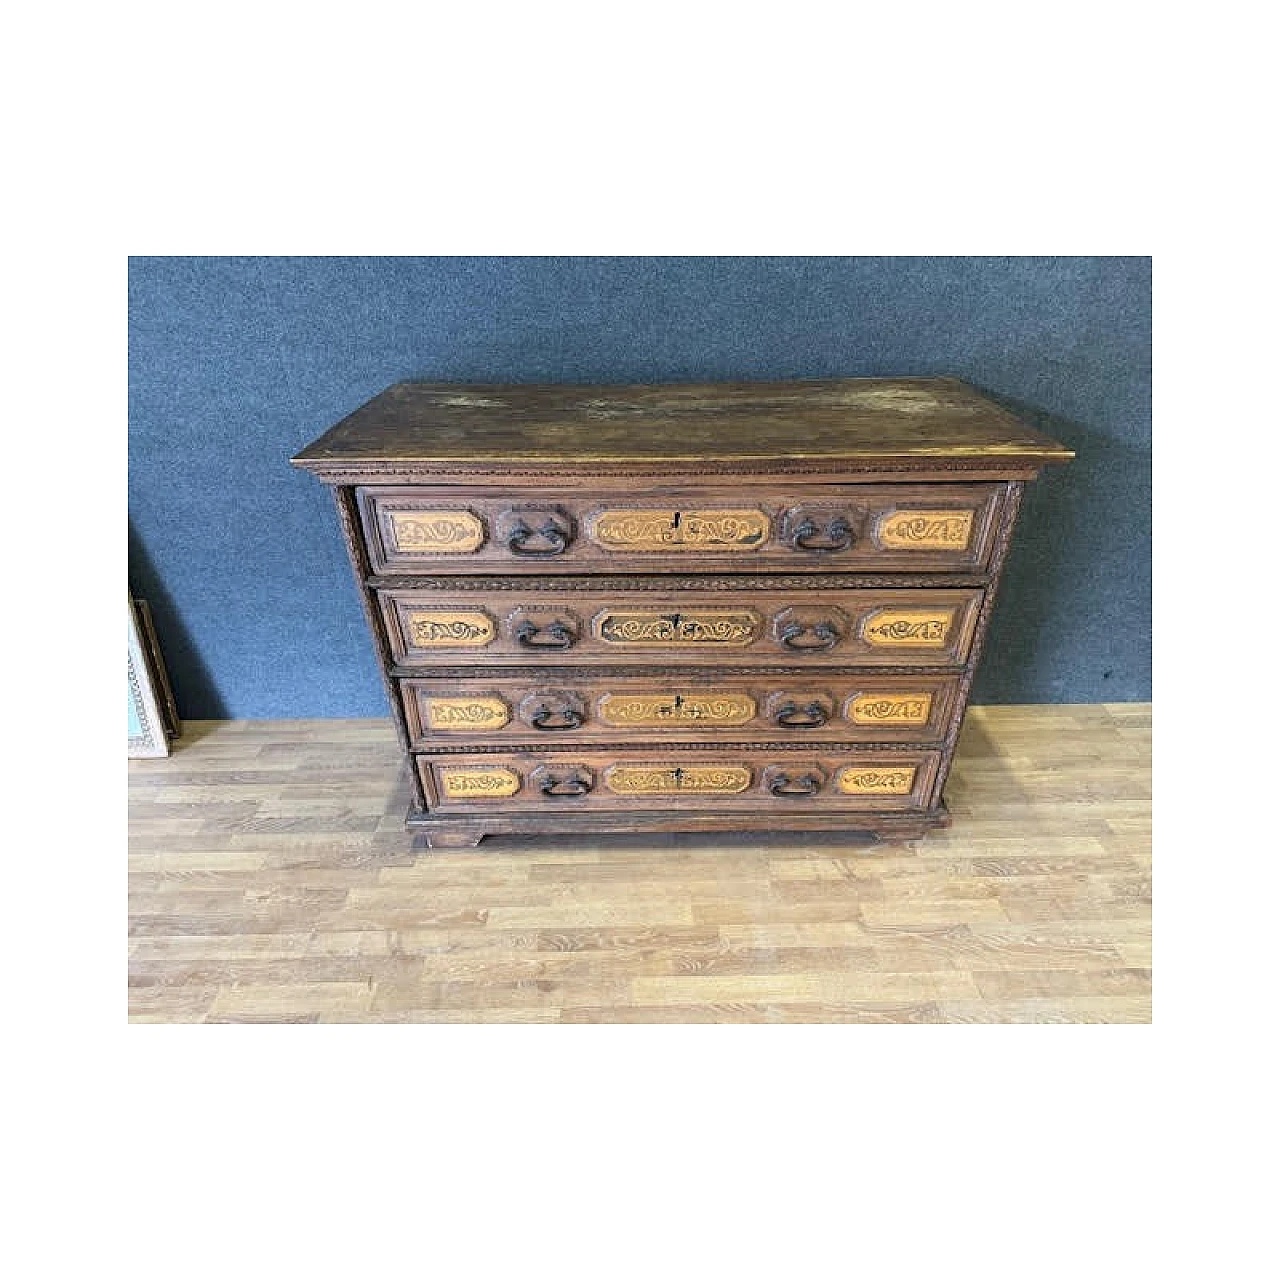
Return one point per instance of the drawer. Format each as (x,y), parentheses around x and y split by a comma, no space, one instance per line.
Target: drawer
(595,780)
(904,528)
(581,624)
(609,708)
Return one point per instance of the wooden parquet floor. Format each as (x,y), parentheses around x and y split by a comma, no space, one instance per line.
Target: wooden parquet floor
(270,880)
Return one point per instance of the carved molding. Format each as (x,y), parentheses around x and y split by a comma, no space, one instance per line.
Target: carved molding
(782,747)
(709,583)
(350,471)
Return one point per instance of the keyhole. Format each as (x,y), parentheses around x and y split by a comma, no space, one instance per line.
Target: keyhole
(675,520)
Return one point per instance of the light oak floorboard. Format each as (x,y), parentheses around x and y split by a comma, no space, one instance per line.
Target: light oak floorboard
(270,880)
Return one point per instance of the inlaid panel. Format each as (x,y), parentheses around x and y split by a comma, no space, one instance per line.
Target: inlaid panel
(661,621)
(434,531)
(671,780)
(853,527)
(919,530)
(748,779)
(640,529)
(867,780)
(475,714)
(477,782)
(448,628)
(909,628)
(899,704)
(716,708)
(675,630)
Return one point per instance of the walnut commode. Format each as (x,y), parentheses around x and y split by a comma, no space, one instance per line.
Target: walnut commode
(736,606)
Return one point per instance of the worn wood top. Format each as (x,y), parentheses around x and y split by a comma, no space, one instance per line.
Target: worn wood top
(848,420)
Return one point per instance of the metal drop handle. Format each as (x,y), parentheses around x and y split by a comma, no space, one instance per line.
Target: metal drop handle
(790,716)
(806,536)
(574,785)
(808,784)
(825,636)
(523,541)
(548,720)
(555,635)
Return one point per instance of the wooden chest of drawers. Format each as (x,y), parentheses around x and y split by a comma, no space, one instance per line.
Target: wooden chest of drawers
(684,607)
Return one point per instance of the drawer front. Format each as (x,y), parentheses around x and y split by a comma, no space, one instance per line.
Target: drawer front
(554,710)
(596,780)
(915,627)
(903,528)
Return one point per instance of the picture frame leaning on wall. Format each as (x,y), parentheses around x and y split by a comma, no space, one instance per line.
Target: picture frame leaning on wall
(153,715)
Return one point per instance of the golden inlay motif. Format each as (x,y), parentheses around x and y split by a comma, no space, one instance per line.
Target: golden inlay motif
(858,781)
(909,628)
(739,529)
(436,531)
(925,530)
(890,708)
(449,630)
(661,709)
(707,626)
(460,715)
(656,779)
(479,782)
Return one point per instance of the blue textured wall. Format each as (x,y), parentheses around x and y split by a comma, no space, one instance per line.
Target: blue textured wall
(235,363)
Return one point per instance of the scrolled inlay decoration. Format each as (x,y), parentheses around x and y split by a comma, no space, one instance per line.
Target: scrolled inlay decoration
(656,779)
(858,780)
(428,532)
(478,782)
(706,626)
(925,530)
(651,710)
(441,629)
(459,715)
(910,628)
(741,529)
(875,708)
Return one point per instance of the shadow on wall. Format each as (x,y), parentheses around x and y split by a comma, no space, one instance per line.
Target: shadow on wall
(1069,546)
(192,684)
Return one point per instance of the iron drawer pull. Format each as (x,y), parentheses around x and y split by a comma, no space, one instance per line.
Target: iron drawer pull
(839,536)
(826,635)
(560,787)
(807,784)
(551,533)
(789,716)
(545,718)
(558,636)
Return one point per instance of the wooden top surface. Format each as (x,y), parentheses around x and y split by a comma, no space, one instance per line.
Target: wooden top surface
(837,420)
